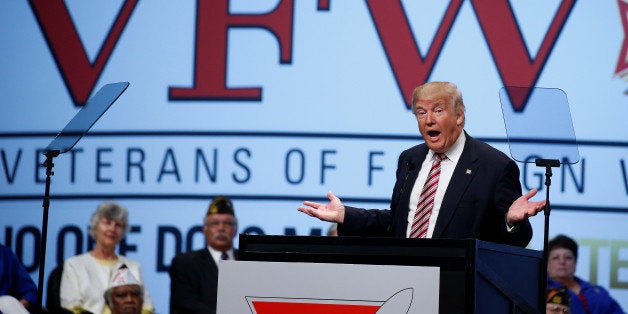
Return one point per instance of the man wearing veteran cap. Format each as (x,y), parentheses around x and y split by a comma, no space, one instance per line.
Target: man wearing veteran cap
(125,293)
(194,275)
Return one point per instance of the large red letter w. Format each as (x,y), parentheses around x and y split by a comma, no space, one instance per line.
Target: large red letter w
(210,72)
(501,32)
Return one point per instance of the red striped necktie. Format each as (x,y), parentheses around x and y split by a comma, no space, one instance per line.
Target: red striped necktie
(426,200)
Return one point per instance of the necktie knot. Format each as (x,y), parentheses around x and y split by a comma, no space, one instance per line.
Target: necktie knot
(438,157)
(224,256)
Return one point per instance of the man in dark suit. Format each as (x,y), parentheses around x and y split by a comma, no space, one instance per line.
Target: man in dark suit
(194,275)
(472,190)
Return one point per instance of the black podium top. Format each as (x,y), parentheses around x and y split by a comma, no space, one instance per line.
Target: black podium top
(448,253)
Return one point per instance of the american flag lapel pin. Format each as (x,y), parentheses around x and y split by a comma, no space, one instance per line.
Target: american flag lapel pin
(468,171)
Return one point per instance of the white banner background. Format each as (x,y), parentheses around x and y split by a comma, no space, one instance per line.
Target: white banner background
(330,117)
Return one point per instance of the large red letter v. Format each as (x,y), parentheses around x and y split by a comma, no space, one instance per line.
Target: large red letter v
(79,74)
(409,67)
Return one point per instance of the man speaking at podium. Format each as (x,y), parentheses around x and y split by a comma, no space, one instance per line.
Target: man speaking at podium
(452,186)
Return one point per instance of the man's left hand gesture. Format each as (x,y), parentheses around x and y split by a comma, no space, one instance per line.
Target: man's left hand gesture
(522,208)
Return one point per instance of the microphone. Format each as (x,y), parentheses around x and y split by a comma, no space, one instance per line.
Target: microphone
(410,166)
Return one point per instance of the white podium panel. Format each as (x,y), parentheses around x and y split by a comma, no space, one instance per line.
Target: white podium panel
(277,287)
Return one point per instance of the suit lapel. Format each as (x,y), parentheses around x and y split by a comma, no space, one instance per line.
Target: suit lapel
(209,260)
(460,179)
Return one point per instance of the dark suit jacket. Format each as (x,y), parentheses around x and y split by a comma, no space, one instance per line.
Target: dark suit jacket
(484,184)
(193,283)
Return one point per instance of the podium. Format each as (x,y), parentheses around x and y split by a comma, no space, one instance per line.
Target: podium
(475,276)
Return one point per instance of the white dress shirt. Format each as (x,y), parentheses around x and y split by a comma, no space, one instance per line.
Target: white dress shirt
(216,255)
(447,167)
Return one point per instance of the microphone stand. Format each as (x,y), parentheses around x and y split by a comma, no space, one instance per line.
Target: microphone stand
(548,164)
(50,154)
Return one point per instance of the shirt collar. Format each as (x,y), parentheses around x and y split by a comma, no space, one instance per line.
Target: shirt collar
(216,254)
(454,151)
